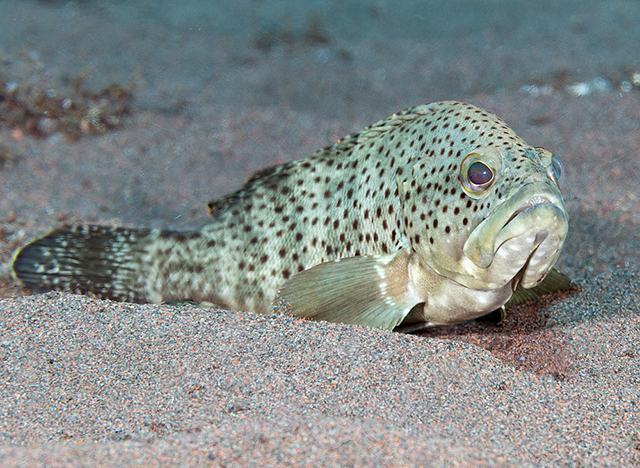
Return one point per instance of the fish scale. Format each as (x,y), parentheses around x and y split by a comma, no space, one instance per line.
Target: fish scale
(374,230)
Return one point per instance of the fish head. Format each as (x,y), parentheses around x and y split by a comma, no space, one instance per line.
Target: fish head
(487,211)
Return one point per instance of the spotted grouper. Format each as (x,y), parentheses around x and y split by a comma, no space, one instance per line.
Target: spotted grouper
(434,216)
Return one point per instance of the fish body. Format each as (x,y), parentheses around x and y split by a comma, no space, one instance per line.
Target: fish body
(433,216)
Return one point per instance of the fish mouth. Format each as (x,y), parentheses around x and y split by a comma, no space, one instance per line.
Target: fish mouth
(531,203)
(526,232)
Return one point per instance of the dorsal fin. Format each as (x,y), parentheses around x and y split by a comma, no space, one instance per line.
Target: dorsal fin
(265,176)
(275,174)
(375,130)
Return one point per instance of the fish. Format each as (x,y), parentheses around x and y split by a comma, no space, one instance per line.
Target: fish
(437,215)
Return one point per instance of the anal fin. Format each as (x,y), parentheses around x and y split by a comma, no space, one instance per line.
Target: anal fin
(367,290)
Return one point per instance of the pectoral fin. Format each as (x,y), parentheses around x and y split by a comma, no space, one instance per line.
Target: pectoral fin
(369,290)
(555,281)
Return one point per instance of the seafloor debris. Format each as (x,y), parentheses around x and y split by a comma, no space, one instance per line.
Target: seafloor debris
(44,112)
(622,79)
(7,158)
(315,33)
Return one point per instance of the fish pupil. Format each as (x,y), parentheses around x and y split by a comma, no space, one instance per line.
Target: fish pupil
(480,173)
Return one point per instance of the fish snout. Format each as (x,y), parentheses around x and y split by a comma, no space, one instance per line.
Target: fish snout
(534,219)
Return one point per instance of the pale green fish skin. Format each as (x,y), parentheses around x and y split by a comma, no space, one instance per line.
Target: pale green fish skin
(427,249)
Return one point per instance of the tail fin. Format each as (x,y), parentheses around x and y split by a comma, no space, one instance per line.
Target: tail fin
(98,261)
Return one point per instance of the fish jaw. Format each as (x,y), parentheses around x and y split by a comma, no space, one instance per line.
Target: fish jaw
(444,301)
(526,232)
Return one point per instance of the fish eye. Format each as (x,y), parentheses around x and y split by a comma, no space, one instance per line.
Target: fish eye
(478,174)
(556,171)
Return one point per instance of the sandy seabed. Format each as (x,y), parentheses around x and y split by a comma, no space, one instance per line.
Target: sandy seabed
(221,91)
